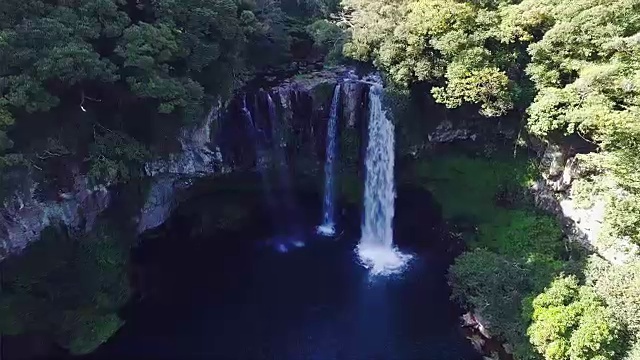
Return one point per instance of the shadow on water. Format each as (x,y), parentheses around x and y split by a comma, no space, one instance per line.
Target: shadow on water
(226,295)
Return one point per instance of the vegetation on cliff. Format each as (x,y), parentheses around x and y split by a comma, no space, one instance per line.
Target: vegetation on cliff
(566,69)
(109,82)
(100,87)
(573,68)
(70,288)
(520,275)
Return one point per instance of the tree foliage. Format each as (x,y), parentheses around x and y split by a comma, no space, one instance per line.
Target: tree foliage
(133,67)
(115,157)
(328,38)
(159,52)
(570,322)
(495,286)
(619,287)
(452,44)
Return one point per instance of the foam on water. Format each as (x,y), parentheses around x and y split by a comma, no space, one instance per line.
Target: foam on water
(326,230)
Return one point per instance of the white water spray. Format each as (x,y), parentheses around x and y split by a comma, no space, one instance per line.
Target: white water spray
(376,250)
(328,227)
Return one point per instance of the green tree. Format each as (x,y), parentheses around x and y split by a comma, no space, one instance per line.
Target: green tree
(328,38)
(619,287)
(6,120)
(495,286)
(570,322)
(43,53)
(453,45)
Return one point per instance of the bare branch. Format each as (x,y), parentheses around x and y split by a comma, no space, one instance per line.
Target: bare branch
(343,18)
(83,97)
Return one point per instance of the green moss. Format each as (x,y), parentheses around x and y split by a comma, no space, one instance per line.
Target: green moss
(412,125)
(349,148)
(89,329)
(521,233)
(474,187)
(351,189)
(70,288)
(322,93)
(350,183)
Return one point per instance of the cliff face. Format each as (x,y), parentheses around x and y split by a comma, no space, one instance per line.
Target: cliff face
(561,168)
(237,135)
(287,122)
(23,216)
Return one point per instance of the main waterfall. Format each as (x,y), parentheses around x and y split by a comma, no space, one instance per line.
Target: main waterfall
(376,248)
(328,223)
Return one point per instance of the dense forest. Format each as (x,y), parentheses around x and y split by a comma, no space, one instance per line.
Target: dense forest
(152,64)
(107,82)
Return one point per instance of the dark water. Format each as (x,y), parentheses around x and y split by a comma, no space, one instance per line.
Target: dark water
(234,296)
(311,303)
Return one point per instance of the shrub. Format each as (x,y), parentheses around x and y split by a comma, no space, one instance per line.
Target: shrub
(619,286)
(116,157)
(520,233)
(328,38)
(495,286)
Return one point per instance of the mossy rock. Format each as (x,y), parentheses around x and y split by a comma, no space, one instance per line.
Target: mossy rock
(322,93)
(88,329)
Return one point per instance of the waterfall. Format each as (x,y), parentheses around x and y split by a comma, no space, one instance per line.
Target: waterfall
(280,161)
(255,134)
(284,209)
(261,162)
(376,248)
(328,223)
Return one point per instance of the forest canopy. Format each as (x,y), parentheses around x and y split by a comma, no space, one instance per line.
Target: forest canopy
(87,70)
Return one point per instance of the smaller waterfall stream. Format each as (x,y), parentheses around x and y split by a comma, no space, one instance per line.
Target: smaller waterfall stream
(328,223)
(376,250)
(280,162)
(260,157)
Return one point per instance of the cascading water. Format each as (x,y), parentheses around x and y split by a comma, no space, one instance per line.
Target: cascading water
(260,158)
(288,210)
(280,160)
(376,250)
(328,223)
